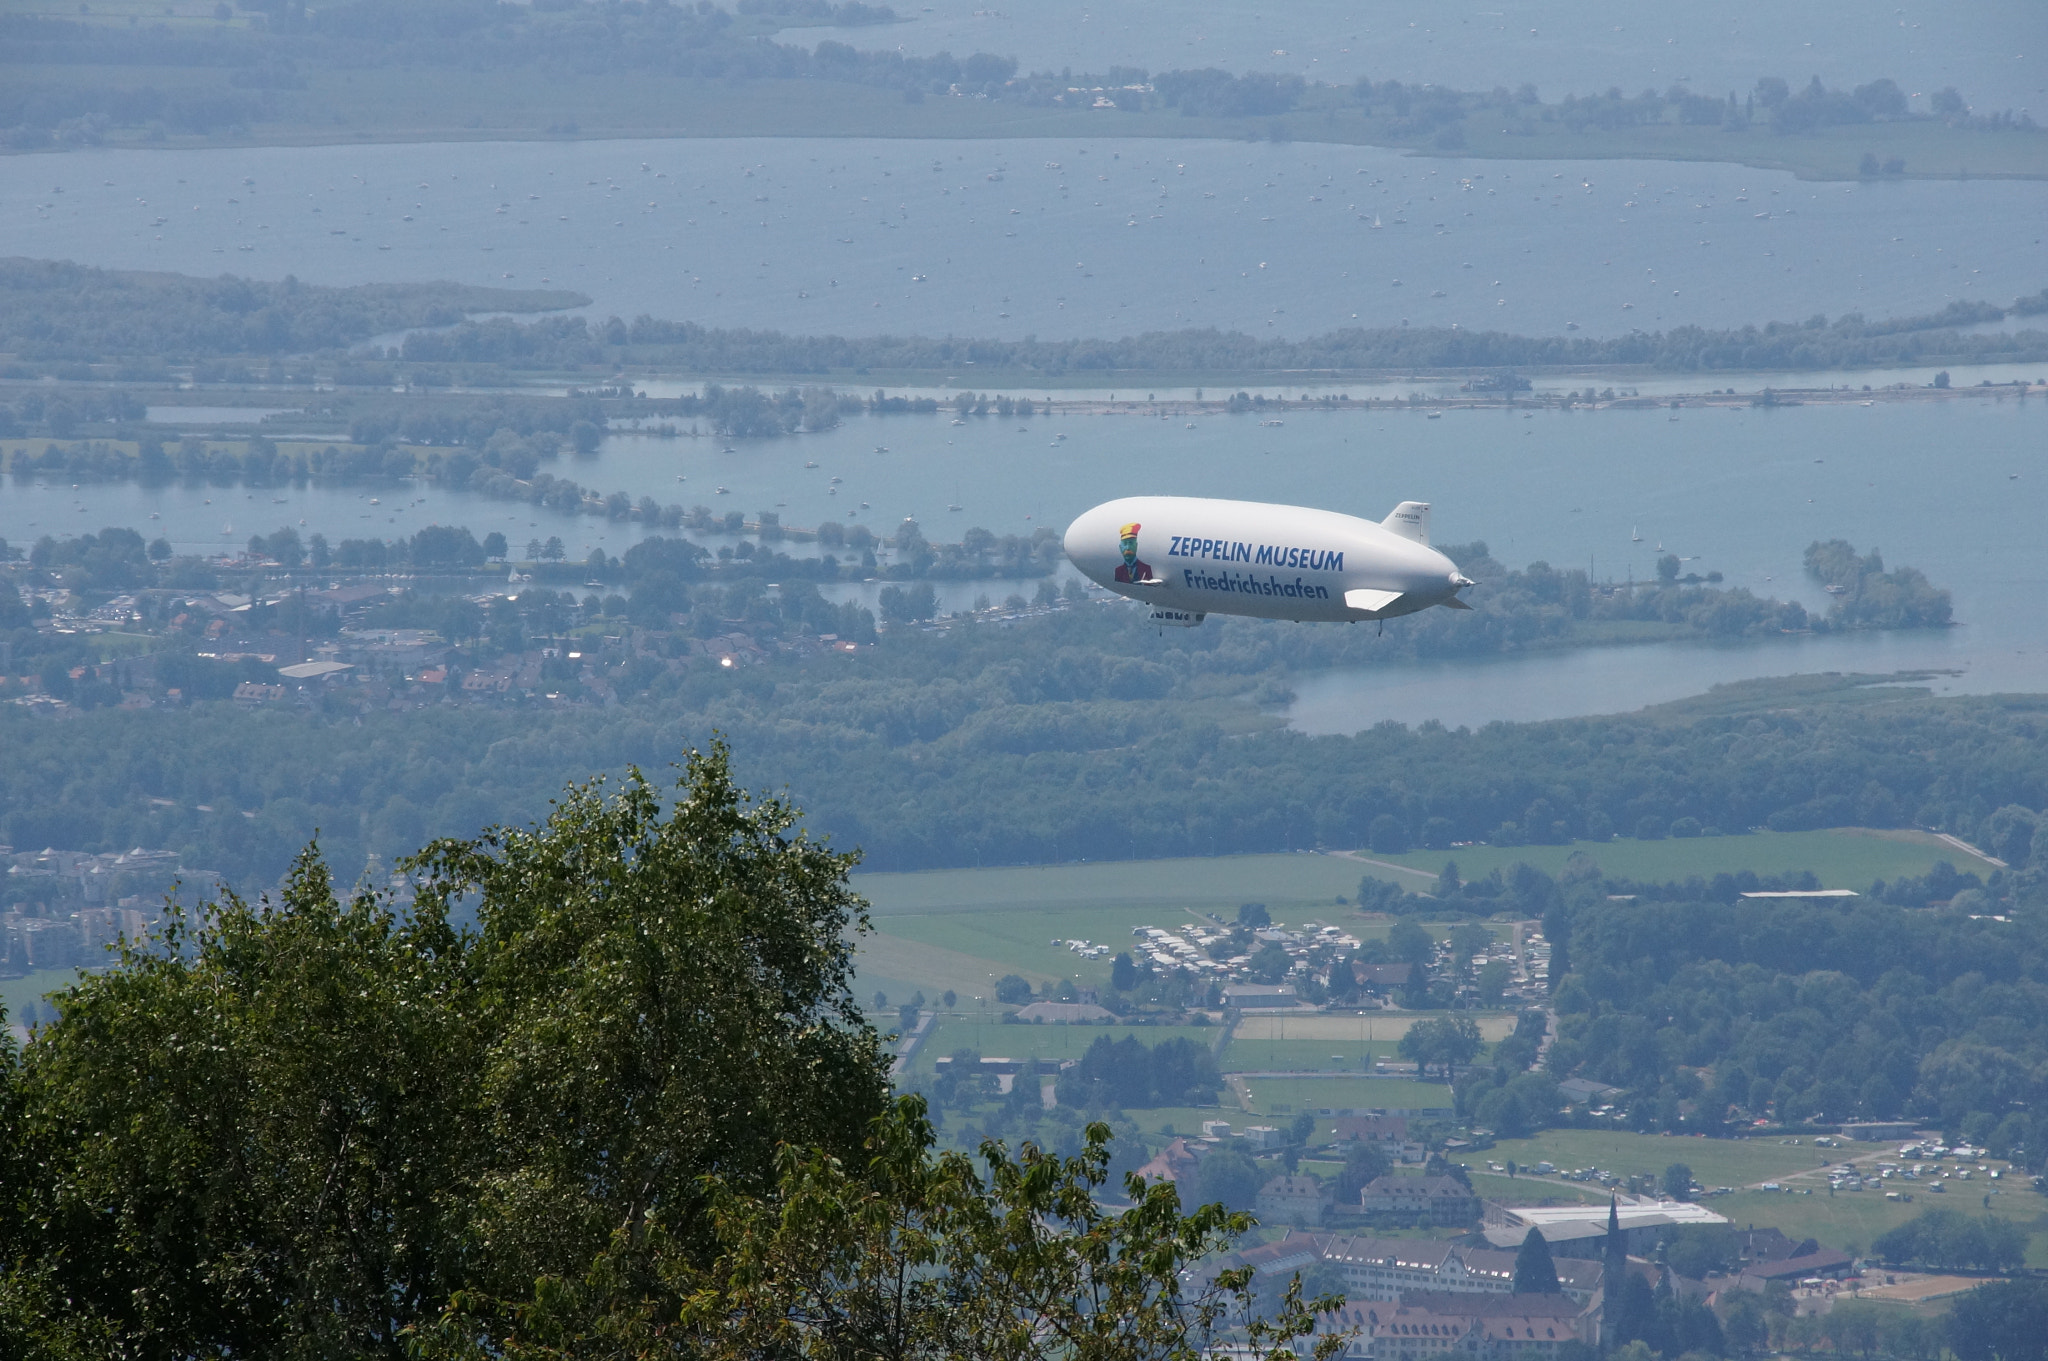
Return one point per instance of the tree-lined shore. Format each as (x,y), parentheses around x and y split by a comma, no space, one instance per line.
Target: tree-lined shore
(284,73)
(82,324)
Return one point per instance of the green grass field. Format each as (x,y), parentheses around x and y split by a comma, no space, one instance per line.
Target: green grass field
(1304,1056)
(1532,1190)
(1843,857)
(1854,1219)
(1289,1096)
(1714,1162)
(963,929)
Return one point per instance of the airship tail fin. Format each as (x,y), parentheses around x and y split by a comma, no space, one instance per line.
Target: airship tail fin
(1410,520)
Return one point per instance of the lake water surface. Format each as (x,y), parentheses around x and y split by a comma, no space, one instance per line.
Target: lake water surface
(1057,239)
(1958,489)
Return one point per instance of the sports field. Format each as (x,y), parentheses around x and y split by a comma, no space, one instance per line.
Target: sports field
(988,1037)
(1290,1096)
(1320,1043)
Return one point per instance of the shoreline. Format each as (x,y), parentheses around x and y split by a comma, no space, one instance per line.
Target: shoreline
(1823,160)
(1093,401)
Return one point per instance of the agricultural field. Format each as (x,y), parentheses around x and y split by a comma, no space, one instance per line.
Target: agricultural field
(1532,1190)
(1852,1220)
(1714,1162)
(1842,857)
(963,929)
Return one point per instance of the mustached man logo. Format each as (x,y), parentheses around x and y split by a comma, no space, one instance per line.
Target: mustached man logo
(1130,569)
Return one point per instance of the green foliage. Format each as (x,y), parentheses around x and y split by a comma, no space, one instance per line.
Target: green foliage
(1942,1238)
(1049,718)
(1535,1273)
(1851,341)
(1700,1250)
(1803,1011)
(1364,1163)
(1411,943)
(58,310)
(1678,1182)
(1867,596)
(61,311)
(353,1115)
(111,560)
(1660,1322)
(1443,1042)
(909,1255)
(1123,973)
(1229,1178)
(2002,1321)
(1126,1074)
(1512,1104)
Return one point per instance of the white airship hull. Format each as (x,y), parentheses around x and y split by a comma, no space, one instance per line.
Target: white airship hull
(1189,556)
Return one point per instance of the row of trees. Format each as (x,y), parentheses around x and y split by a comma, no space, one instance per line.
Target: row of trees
(135,317)
(1852,341)
(1949,1240)
(264,62)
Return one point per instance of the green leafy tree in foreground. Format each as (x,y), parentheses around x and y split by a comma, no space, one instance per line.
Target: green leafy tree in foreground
(633,1112)
(915,1254)
(301,1128)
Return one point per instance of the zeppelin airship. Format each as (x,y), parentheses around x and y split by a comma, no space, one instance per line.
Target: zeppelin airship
(1188,557)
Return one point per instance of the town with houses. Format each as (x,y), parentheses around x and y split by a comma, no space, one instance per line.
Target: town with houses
(1431,1268)
(61,909)
(118,623)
